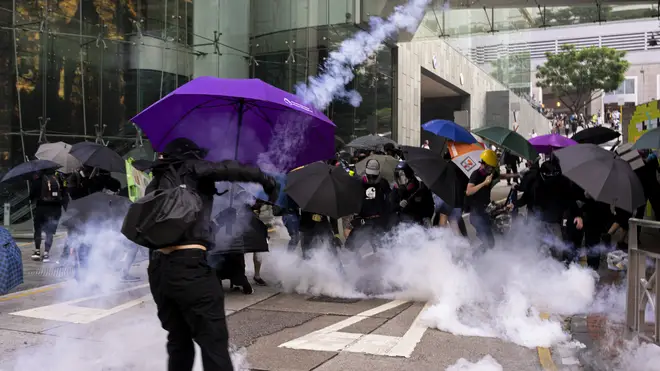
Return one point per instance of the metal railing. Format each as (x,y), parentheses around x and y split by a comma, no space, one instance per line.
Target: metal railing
(643,283)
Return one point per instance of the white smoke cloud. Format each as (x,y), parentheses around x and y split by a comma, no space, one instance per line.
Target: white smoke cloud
(338,68)
(488,363)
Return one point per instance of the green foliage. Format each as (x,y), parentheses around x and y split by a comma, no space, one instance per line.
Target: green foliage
(574,75)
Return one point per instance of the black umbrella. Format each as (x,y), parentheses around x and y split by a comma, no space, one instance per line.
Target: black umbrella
(648,140)
(434,171)
(596,135)
(370,142)
(101,207)
(97,155)
(602,175)
(26,170)
(326,190)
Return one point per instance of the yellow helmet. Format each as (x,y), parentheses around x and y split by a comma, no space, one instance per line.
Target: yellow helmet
(489,157)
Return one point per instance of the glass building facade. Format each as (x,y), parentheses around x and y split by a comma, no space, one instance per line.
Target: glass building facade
(80,69)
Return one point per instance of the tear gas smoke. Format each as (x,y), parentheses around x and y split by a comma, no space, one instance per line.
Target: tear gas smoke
(338,68)
(488,363)
(132,341)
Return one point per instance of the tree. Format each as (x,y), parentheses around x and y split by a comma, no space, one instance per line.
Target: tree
(574,76)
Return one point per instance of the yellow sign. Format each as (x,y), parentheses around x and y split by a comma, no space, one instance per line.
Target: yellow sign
(644,117)
(136,181)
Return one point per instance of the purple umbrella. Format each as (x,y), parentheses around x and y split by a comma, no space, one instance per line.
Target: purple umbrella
(547,143)
(242,119)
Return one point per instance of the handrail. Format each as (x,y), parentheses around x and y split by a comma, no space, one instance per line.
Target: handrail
(643,283)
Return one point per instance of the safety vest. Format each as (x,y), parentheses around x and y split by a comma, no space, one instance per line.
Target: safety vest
(136,187)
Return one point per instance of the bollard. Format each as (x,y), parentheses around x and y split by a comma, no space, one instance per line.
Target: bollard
(7,214)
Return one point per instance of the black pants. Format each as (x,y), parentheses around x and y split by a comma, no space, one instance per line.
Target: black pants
(371,232)
(190,307)
(45,220)
(231,266)
(512,169)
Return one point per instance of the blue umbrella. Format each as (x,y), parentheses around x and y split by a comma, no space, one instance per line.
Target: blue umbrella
(450,130)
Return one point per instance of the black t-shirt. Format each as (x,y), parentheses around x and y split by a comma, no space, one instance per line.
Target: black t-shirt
(481,199)
(375,199)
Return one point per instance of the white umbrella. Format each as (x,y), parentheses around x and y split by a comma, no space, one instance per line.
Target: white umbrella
(59,153)
(466,156)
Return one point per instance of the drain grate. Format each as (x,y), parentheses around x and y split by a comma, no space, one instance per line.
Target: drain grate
(62,272)
(327,299)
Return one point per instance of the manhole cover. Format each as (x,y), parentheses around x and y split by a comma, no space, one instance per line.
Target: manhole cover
(52,272)
(327,299)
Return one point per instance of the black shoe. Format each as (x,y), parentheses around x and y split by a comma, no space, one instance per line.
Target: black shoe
(260,281)
(46,258)
(36,255)
(244,286)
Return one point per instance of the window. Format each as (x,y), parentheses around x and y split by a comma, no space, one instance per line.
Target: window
(627,87)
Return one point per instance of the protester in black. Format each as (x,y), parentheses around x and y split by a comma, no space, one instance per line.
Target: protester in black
(411,200)
(371,222)
(478,191)
(511,162)
(598,219)
(551,198)
(187,293)
(315,230)
(47,191)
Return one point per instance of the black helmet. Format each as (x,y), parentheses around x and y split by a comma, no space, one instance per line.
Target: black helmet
(549,170)
(184,147)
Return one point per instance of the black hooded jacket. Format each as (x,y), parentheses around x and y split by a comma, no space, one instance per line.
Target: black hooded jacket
(201,175)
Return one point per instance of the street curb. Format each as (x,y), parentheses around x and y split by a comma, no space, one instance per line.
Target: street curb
(28,292)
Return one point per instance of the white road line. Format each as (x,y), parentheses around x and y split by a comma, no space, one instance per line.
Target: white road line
(412,337)
(333,340)
(69,312)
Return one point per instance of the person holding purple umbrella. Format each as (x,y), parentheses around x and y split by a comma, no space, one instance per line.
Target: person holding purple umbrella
(187,293)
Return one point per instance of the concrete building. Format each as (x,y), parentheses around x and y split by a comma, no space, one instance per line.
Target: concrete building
(642,82)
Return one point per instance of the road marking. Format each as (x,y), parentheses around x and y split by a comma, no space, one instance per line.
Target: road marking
(70,312)
(545,356)
(333,340)
(39,290)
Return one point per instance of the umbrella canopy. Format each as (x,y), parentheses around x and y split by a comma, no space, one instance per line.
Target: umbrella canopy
(450,130)
(97,155)
(326,190)
(434,171)
(600,173)
(596,135)
(648,140)
(387,166)
(547,143)
(98,207)
(240,119)
(26,170)
(370,142)
(58,152)
(465,156)
(508,139)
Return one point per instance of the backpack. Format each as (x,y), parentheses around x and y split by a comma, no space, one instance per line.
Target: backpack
(51,189)
(162,217)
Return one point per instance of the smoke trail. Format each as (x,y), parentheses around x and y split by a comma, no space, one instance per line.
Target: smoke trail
(338,68)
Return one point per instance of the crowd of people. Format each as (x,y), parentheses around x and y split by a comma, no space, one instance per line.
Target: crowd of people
(186,276)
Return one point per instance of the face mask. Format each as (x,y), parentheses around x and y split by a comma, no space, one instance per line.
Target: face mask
(372,178)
